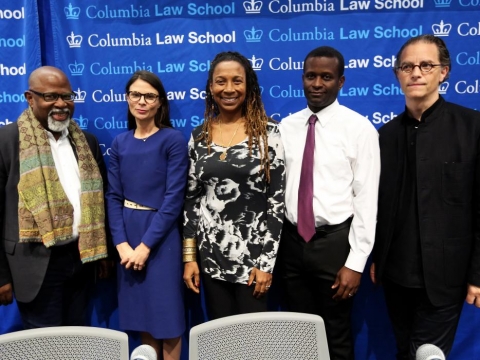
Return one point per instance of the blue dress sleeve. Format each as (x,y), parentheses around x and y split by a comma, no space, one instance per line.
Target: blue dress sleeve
(176,180)
(115,197)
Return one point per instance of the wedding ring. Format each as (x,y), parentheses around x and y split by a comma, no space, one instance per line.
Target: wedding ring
(351,295)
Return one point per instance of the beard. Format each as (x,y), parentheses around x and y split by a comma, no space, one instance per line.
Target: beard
(58,126)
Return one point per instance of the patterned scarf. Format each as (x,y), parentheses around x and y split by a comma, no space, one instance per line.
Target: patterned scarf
(44,211)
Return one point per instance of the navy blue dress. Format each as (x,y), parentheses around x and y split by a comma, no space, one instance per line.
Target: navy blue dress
(151,173)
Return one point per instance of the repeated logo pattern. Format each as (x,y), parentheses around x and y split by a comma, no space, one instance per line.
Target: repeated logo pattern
(177,41)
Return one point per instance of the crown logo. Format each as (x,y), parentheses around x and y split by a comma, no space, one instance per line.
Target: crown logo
(443,87)
(252,6)
(71,12)
(80,95)
(442,3)
(74,41)
(76,69)
(441,29)
(256,63)
(253,35)
(82,122)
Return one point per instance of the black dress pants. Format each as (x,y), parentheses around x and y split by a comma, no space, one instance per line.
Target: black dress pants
(63,296)
(416,321)
(223,298)
(308,272)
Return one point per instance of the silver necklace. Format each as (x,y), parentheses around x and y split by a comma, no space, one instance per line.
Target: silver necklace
(223,155)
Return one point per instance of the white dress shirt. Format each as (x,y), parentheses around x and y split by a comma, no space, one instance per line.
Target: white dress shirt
(68,174)
(346,173)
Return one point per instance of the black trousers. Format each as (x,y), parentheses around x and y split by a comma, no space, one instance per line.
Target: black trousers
(62,299)
(416,321)
(223,298)
(308,272)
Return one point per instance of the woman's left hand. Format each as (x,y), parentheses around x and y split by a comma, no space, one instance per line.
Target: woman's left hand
(263,281)
(138,258)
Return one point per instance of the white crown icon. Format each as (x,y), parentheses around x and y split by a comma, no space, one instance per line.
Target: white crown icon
(442,3)
(71,12)
(80,95)
(441,29)
(74,41)
(76,69)
(82,122)
(256,63)
(443,87)
(252,6)
(253,35)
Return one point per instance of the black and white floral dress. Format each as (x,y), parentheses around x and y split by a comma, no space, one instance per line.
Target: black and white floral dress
(234,214)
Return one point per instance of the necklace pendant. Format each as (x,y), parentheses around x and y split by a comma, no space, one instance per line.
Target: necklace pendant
(223,156)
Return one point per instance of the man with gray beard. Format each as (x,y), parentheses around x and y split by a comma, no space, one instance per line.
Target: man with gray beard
(51,206)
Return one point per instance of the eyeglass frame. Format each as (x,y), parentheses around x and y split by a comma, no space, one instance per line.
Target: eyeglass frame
(57,95)
(144,97)
(419,67)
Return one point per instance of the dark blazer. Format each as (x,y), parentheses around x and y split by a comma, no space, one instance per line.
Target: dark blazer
(448,183)
(23,264)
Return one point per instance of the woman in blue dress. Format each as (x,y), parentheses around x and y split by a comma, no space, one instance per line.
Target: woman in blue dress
(147,178)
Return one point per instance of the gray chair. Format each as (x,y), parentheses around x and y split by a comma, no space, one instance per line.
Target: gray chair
(65,343)
(262,336)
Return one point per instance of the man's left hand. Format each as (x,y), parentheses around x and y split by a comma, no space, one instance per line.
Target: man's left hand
(473,295)
(6,294)
(104,268)
(346,283)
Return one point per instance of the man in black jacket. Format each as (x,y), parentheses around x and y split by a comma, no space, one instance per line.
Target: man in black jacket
(427,245)
(51,206)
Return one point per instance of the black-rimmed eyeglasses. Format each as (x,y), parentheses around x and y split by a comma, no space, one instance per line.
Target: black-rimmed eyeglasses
(136,96)
(424,67)
(52,97)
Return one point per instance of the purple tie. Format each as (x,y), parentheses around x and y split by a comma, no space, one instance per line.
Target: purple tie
(306,220)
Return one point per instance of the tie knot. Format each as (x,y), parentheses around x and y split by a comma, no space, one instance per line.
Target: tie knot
(312,119)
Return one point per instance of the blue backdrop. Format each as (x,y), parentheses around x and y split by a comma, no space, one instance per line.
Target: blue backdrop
(99,44)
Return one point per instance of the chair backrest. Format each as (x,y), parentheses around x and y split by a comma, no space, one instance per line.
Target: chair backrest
(65,343)
(263,336)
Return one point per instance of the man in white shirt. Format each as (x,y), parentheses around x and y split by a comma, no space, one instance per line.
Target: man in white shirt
(51,206)
(329,234)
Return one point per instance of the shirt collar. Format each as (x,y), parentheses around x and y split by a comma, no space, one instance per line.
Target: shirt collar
(63,135)
(426,116)
(323,115)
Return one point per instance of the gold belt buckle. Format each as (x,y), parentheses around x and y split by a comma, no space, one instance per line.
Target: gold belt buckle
(134,205)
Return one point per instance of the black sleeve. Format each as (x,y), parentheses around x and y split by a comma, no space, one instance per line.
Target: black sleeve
(5,275)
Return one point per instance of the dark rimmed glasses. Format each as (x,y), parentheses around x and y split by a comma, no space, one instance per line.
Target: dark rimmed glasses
(135,96)
(424,67)
(52,97)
